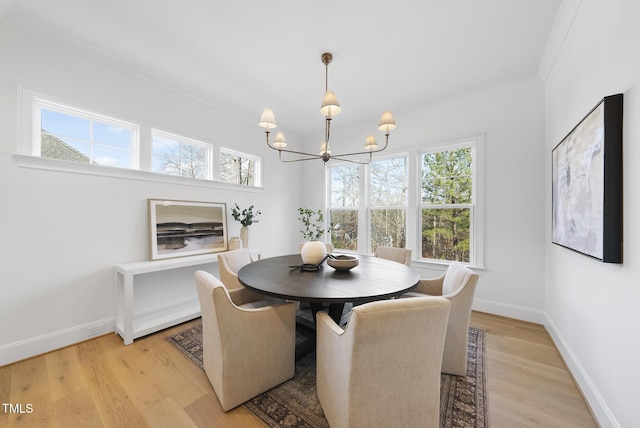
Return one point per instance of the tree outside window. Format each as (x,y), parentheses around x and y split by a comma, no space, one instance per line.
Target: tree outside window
(175,155)
(343,210)
(388,188)
(447,204)
(237,168)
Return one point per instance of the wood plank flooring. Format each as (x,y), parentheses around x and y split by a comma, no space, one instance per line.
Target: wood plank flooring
(102,383)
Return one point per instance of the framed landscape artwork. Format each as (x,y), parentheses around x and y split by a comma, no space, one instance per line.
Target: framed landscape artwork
(186,228)
(587,184)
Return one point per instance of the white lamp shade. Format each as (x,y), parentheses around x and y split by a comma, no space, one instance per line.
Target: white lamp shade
(330,105)
(267,120)
(387,122)
(370,143)
(279,142)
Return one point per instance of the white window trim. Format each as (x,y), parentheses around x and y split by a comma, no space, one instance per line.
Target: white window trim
(257,160)
(209,149)
(28,156)
(414,200)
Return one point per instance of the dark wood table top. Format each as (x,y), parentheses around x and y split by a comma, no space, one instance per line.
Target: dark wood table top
(373,279)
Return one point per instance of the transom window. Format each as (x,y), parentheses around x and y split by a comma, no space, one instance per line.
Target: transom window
(238,168)
(68,133)
(175,155)
(79,136)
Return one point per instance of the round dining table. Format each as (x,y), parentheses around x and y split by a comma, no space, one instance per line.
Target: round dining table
(373,279)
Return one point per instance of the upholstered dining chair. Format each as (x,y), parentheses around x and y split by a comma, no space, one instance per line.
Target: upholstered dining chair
(383,369)
(248,345)
(229,263)
(458,285)
(400,255)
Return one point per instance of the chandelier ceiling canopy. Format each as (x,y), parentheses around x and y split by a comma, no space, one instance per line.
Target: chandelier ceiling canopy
(330,107)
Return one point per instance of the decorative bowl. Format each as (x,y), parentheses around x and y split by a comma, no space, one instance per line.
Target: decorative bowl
(342,262)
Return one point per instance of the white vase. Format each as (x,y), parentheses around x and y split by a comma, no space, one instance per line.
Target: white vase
(244,236)
(313,252)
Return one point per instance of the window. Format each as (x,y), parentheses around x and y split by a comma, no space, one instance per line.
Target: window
(61,132)
(426,200)
(343,211)
(238,168)
(447,204)
(176,155)
(388,187)
(79,136)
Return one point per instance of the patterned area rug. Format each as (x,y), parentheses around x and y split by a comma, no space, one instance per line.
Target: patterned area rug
(294,404)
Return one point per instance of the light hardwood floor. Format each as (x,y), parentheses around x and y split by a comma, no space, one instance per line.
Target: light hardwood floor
(102,383)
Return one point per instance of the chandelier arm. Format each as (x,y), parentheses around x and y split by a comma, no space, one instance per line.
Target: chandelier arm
(365,151)
(349,160)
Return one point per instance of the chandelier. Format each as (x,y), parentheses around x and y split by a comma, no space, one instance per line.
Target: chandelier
(330,108)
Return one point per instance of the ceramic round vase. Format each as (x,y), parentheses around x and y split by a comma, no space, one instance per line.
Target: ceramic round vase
(313,252)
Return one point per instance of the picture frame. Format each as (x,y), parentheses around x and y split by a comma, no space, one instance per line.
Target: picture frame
(186,228)
(587,187)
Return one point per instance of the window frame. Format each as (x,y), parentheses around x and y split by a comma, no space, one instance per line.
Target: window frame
(257,174)
(187,141)
(414,200)
(42,103)
(28,147)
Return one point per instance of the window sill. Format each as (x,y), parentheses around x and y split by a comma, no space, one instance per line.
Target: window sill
(36,162)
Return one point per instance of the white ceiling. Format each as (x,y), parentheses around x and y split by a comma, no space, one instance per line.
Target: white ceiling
(247,55)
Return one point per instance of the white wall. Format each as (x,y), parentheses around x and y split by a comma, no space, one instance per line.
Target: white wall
(511,118)
(62,232)
(592,307)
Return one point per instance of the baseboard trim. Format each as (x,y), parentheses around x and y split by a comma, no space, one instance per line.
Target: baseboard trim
(31,347)
(599,408)
(509,311)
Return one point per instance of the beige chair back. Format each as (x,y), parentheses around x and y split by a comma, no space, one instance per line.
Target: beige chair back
(400,255)
(384,369)
(229,263)
(245,351)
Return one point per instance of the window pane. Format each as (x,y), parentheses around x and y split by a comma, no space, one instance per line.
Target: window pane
(344,229)
(86,138)
(112,135)
(389,182)
(238,169)
(446,177)
(388,228)
(446,234)
(345,186)
(65,125)
(175,157)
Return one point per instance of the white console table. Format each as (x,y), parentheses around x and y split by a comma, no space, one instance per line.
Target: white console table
(130,327)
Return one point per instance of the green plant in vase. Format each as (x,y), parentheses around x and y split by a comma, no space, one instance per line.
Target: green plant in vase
(246,217)
(314,251)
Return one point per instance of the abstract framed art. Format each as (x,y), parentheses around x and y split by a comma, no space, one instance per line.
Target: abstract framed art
(186,228)
(587,184)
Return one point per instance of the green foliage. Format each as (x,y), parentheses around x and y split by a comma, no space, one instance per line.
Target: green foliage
(447,184)
(246,217)
(313,227)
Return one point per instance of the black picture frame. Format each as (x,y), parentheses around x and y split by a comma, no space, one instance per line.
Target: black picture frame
(587,184)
